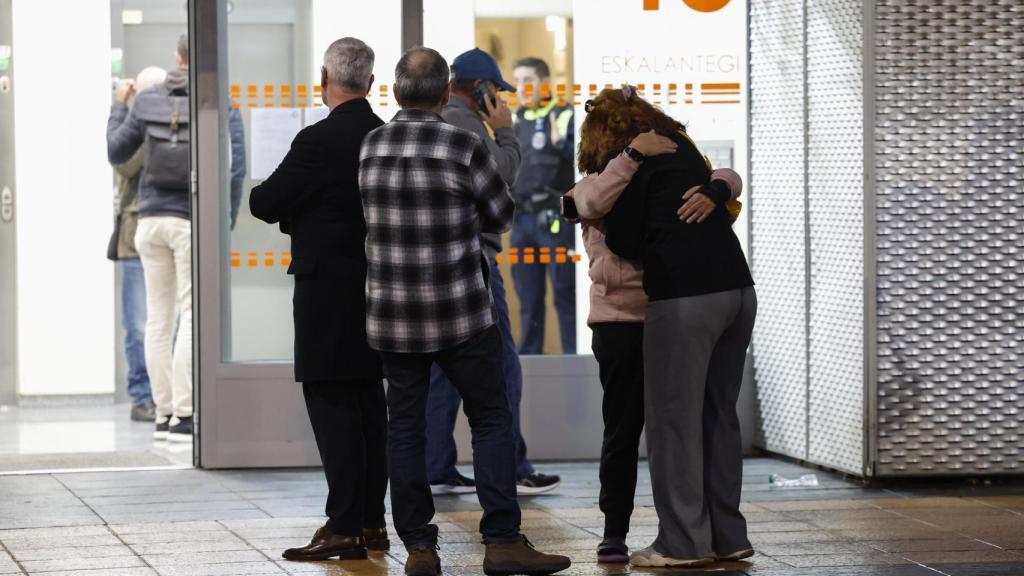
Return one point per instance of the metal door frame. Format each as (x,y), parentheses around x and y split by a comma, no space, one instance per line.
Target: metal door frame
(248,413)
(8,228)
(218,383)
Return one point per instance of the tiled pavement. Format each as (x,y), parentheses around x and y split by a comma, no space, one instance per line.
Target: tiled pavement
(194,523)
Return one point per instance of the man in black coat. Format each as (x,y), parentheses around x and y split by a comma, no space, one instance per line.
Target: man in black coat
(314,195)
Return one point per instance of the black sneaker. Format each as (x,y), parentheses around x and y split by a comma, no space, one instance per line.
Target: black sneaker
(144,412)
(612,550)
(163,426)
(537,483)
(182,431)
(458,485)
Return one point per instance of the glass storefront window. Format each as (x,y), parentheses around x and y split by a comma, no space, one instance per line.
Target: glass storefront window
(274,53)
(685,57)
(275,50)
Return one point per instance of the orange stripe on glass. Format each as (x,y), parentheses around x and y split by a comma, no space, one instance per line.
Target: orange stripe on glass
(298,95)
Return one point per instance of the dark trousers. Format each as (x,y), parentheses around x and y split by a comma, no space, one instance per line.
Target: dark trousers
(443,400)
(531,284)
(475,369)
(350,423)
(619,350)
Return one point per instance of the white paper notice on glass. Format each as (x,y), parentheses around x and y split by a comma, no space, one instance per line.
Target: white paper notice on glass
(273,130)
(316,114)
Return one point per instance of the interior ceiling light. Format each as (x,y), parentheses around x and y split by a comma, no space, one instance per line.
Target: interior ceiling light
(556,25)
(131,17)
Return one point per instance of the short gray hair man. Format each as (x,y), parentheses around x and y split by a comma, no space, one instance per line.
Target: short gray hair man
(348,63)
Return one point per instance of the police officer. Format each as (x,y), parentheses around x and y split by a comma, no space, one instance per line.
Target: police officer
(545,130)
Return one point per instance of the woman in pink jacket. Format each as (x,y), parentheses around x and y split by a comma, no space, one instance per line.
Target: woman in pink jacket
(617,305)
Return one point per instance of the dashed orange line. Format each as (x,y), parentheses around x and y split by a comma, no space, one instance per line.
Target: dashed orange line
(299,95)
(516,256)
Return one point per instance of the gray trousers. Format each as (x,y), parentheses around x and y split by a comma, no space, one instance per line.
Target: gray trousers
(694,352)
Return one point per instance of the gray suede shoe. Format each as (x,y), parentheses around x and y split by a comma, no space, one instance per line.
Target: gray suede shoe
(423,561)
(521,558)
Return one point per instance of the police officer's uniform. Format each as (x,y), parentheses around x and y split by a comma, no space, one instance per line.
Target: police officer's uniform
(545,174)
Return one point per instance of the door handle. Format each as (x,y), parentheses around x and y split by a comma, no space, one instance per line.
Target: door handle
(6,205)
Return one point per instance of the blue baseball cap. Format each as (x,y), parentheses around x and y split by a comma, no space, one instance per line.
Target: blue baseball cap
(479,65)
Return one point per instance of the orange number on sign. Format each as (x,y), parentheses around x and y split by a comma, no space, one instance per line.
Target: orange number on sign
(698,5)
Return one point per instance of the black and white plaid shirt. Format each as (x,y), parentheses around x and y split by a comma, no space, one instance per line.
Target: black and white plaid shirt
(429,189)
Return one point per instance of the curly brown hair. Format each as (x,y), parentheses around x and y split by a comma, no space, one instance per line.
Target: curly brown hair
(617,116)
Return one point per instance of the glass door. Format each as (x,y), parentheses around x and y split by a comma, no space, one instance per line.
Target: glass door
(257,74)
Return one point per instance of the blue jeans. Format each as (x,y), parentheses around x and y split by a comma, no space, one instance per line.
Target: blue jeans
(474,367)
(531,283)
(133,318)
(443,400)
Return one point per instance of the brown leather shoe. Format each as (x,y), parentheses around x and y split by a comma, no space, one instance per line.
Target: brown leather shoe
(423,561)
(376,538)
(521,558)
(326,545)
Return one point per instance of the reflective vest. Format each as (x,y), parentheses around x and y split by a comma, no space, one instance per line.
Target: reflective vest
(546,171)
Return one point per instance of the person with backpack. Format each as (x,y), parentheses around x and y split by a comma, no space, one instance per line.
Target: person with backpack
(121,248)
(158,124)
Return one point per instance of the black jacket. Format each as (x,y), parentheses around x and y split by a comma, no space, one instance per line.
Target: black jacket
(314,194)
(546,171)
(679,259)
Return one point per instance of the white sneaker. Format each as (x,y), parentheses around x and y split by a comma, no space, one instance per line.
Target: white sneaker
(648,557)
(738,555)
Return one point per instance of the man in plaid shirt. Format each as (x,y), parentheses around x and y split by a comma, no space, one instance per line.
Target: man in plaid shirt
(429,189)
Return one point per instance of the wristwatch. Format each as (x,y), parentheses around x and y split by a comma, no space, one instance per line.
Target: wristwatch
(633,154)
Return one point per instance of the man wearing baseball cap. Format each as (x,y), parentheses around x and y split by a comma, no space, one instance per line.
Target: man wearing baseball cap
(474,106)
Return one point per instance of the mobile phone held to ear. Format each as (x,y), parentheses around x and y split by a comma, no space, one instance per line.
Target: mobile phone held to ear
(569,208)
(480,92)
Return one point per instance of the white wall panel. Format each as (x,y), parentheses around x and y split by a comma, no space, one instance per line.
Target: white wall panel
(65,197)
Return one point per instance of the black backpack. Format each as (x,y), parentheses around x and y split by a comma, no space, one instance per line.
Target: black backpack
(166,148)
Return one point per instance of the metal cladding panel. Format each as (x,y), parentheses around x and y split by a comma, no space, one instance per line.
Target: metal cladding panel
(835,191)
(949,130)
(778,228)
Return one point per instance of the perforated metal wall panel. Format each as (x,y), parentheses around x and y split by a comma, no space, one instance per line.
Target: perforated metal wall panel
(778,231)
(949,94)
(835,191)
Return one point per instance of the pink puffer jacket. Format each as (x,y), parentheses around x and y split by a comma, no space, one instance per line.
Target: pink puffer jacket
(616,290)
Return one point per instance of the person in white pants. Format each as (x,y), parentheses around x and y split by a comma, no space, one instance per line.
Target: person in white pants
(158,123)
(165,246)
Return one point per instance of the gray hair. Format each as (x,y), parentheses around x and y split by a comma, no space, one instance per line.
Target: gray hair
(183,47)
(421,77)
(349,64)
